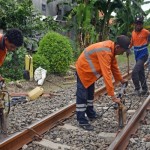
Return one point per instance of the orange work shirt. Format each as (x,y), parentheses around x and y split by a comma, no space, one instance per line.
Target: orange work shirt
(3,51)
(99,60)
(139,38)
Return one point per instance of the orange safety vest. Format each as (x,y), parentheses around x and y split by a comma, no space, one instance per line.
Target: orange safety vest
(139,38)
(98,60)
(3,52)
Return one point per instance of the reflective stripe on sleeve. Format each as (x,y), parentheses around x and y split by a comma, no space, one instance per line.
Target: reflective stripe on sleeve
(87,56)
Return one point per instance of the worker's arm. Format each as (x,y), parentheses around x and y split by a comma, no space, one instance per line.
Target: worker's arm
(105,65)
(115,70)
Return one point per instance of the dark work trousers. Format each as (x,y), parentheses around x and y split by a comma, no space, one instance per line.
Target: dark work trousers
(138,74)
(84,102)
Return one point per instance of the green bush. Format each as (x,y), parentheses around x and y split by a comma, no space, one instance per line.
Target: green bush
(40,61)
(57,50)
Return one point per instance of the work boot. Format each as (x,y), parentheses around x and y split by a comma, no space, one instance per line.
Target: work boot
(87,127)
(97,116)
(144,92)
(137,93)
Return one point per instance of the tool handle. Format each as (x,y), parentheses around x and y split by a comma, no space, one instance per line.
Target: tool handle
(115,105)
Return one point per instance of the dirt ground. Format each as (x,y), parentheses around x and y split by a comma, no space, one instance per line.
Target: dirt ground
(52,83)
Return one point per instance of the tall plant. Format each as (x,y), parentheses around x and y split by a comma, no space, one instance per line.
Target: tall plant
(125,17)
(81,18)
(90,27)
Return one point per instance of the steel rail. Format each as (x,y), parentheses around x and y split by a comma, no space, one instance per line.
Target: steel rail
(122,139)
(24,137)
(18,140)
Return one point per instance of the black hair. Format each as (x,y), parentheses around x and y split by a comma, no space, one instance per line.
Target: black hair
(15,37)
(123,41)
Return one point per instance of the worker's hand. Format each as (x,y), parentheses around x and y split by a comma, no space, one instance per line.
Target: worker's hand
(116,100)
(128,53)
(124,81)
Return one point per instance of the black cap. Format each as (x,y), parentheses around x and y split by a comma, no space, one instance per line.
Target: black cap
(124,42)
(139,19)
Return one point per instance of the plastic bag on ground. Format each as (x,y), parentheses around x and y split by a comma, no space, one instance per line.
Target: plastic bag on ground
(40,75)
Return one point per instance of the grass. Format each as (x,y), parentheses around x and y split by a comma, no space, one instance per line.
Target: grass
(122,59)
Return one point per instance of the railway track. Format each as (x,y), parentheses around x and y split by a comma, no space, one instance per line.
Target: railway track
(141,139)
(122,139)
(64,121)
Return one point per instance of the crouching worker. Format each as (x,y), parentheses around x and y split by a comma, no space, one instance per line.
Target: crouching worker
(95,61)
(9,42)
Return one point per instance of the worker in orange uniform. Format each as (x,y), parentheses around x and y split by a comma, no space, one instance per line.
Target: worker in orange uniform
(140,40)
(95,61)
(9,42)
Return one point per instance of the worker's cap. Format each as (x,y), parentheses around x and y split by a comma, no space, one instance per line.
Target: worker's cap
(139,19)
(124,42)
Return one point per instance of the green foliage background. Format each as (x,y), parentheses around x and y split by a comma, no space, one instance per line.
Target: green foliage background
(14,65)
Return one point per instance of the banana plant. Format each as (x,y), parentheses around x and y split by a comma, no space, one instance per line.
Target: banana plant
(125,17)
(107,7)
(89,25)
(82,15)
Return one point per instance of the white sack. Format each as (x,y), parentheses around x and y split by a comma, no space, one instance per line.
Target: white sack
(40,75)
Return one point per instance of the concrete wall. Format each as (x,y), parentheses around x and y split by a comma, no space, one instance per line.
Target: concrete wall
(47,9)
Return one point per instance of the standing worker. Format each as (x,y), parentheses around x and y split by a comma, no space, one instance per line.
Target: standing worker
(95,61)
(9,42)
(140,40)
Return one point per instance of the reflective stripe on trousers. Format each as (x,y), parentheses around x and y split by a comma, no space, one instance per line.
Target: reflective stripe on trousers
(84,102)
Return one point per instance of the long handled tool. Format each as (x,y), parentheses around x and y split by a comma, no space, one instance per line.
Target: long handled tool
(128,66)
(121,109)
